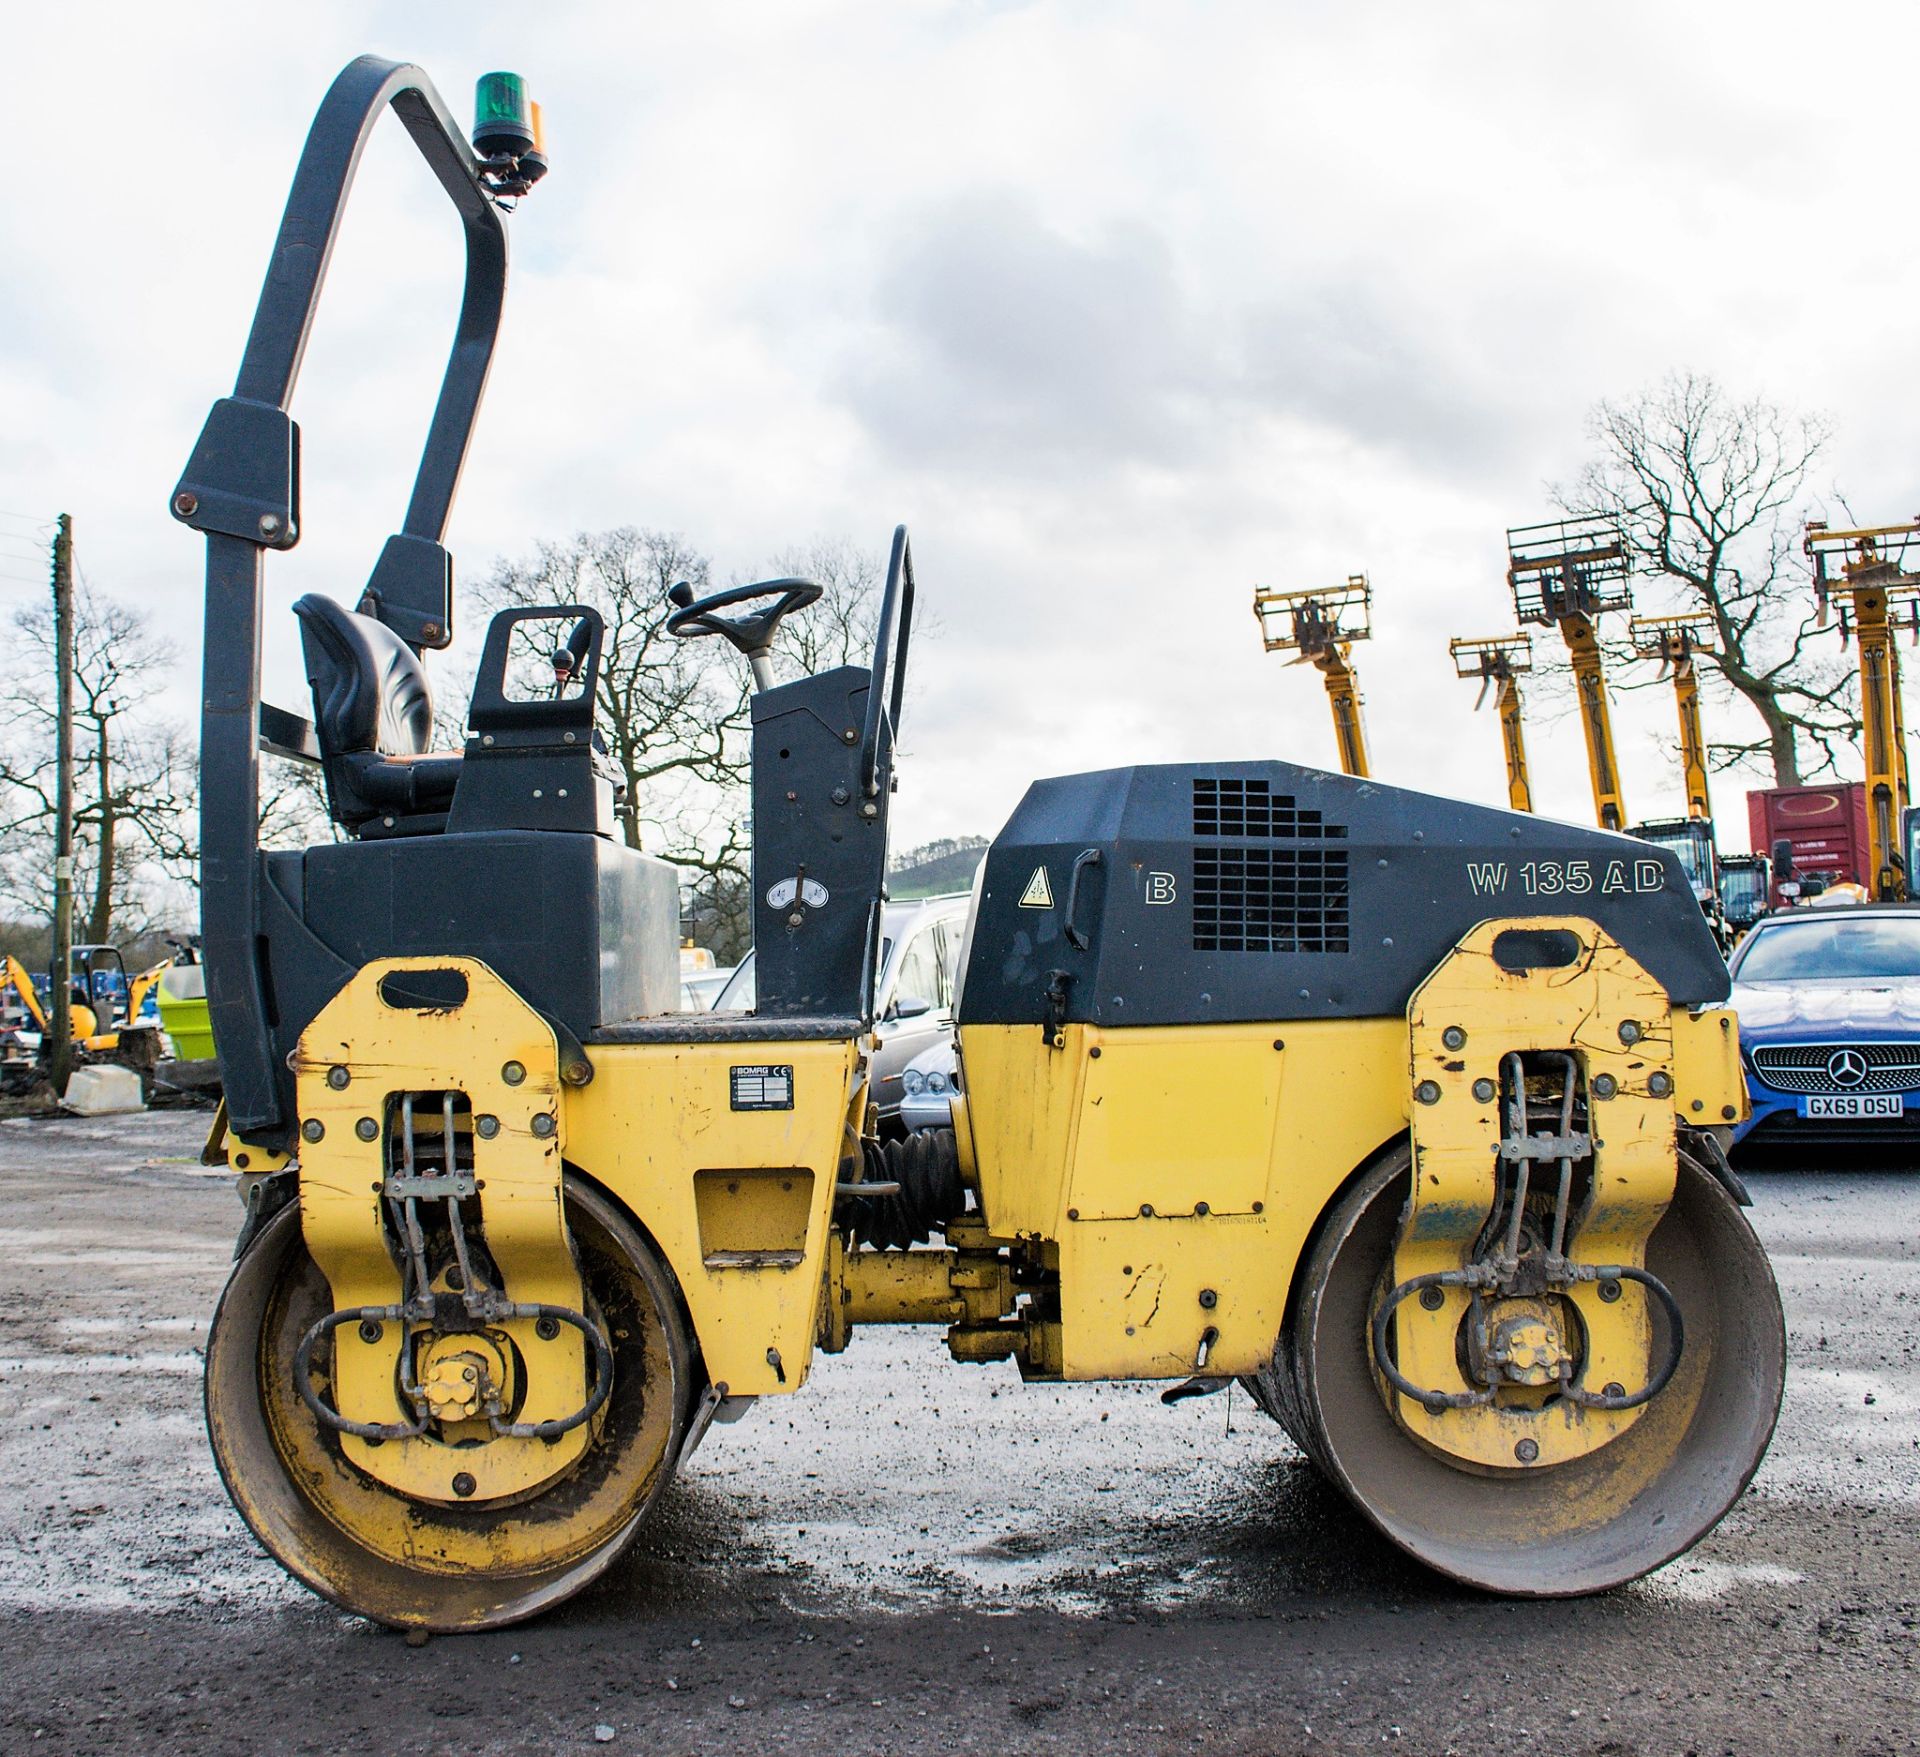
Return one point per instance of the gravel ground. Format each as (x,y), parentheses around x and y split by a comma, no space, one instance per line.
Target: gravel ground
(913,1556)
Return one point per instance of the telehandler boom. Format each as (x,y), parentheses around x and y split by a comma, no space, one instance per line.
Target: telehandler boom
(1567,575)
(1499,664)
(1321,627)
(1878,588)
(1672,641)
(1404,1113)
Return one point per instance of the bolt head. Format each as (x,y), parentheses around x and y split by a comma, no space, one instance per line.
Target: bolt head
(1630,1031)
(371,1330)
(269,525)
(185,504)
(1432,1298)
(367,1129)
(486,1127)
(1609,1291)
(1208,1298)
(1526,1450)
(1605,1085)
(1453,1037)
(313,1129)
(464,1485)
(546,1328)
(1427,1092)
(1483,1091)
(338,1079)
(1660,1084)
(543,1125)
(513,1073)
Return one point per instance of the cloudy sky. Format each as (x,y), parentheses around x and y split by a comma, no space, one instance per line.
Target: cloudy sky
(1123,307)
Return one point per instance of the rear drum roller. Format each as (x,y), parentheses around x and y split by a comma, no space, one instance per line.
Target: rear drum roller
(1555,1532)
(435,1566)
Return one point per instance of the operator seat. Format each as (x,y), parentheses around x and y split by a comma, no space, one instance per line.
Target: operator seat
(373,715)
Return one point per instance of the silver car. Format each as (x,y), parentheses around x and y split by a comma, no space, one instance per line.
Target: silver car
(927,1087)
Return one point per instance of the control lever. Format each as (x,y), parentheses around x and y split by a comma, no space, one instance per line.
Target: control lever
(569,657)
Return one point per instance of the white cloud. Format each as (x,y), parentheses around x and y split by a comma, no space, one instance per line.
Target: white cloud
(1124,306)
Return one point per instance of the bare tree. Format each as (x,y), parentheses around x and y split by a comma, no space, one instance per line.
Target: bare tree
(671,711)
(676,715)
(293,803)
(1710,493)
(134,776)
(839,629)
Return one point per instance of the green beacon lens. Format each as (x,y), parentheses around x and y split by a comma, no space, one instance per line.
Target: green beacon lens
(501,122)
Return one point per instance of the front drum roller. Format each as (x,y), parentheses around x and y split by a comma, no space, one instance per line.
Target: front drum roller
(1582,1526)
(444,1567)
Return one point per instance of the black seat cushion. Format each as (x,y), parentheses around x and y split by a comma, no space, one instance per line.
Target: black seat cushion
(373,716)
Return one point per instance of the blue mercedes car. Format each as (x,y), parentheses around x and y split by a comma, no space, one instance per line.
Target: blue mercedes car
(1829,1005)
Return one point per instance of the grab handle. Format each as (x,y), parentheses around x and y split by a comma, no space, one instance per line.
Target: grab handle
(1081,861)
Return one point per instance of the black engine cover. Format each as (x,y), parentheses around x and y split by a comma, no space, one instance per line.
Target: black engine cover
(1253,891)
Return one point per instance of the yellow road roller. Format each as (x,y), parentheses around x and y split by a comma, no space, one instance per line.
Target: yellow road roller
(1407,1115)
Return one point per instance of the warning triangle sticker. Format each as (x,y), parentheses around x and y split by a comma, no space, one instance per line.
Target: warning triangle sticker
(1038,894)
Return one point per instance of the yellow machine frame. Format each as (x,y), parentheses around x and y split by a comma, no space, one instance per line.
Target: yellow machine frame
(1673,640)
(1170,1175)
(1498,662)
(1321,626)
(1876,586)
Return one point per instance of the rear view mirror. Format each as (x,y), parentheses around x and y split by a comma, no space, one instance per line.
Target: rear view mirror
(909,1006)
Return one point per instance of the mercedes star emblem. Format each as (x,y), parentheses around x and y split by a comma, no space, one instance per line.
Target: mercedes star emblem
(1846,1067)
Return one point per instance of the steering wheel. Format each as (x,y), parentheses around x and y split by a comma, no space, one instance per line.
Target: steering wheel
(753,634)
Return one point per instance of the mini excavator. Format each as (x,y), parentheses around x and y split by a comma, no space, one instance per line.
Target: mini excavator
(1405,1114)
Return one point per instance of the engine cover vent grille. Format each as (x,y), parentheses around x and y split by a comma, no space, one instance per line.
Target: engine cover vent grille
(1252,810)
(1270,899)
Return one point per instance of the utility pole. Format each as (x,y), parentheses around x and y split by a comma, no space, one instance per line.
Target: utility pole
(60,963)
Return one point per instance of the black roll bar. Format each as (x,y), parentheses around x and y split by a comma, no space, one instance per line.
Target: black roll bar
(889,685)
(241,490)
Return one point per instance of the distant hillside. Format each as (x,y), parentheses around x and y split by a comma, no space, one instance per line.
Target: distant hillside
(937,868)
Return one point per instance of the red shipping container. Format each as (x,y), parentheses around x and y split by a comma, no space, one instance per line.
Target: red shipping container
(1827,827)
